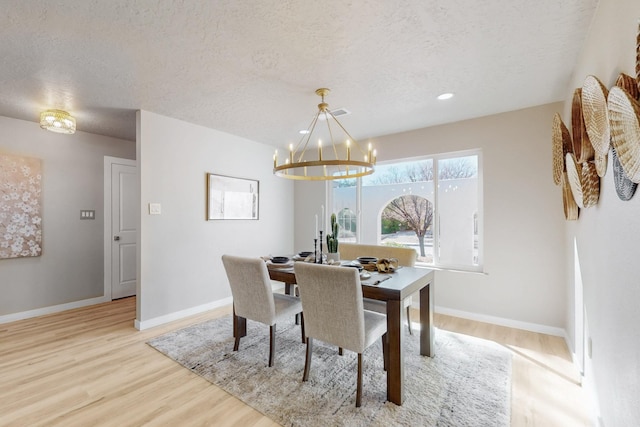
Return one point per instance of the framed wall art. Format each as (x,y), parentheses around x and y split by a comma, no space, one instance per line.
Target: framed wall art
(20,206)
(232,198)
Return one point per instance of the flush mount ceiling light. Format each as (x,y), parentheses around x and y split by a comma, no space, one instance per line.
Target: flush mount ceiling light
(444,96)
(57,121)
(304,163)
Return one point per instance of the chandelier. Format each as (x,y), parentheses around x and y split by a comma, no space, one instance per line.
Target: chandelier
(58,121)
(328,162)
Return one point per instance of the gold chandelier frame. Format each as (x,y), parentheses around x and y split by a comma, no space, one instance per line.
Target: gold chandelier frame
(299,165)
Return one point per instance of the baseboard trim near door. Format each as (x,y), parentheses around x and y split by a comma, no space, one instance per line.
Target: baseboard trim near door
(177,315)
(51,309)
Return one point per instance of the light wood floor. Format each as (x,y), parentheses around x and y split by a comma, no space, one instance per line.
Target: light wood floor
(89,367)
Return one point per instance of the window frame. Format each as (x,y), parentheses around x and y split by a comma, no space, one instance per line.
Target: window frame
(437,264)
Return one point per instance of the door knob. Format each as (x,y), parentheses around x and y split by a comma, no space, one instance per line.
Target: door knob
(116,238)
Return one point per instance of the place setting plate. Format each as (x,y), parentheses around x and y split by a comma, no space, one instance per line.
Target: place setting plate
(280,262)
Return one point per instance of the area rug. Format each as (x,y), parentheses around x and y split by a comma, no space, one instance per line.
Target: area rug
(466,383)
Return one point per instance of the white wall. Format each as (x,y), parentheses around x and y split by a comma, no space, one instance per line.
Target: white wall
(180,267)
(607,237)
(523,218)
(70,268)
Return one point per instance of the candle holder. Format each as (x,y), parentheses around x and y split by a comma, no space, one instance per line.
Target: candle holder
(320,247)
(315,251)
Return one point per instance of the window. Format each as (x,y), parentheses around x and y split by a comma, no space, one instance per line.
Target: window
(345,207)
(430,204)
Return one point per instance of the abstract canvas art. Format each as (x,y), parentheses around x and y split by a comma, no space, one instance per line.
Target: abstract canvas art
(232,198)
(20,206)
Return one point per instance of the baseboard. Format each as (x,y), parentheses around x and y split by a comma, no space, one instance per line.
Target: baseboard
(501,321)
(177,315)
(51,309)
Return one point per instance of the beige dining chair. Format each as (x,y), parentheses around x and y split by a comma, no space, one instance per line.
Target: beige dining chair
(405,256)
(253,297)
(333,313)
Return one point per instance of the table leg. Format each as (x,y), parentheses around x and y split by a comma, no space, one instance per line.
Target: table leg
(239,325)
(395,371)
(427,335)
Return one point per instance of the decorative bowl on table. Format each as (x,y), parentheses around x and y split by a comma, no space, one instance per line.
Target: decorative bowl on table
(280,259)
(367,259)
(305,254)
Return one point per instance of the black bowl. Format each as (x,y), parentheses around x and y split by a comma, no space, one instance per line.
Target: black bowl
(305,254)
(279,259)
(367,259)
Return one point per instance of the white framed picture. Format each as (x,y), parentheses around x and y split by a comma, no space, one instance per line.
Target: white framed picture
(232,198)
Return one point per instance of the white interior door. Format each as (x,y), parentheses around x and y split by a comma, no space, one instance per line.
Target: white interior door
(124,220)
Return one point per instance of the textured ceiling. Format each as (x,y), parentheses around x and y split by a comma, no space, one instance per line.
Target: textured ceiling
(250,68)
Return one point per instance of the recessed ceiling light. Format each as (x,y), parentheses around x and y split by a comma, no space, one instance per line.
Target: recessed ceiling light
(444,96)
(304,132)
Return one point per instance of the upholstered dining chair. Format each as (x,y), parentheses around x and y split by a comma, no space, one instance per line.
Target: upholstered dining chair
(333,313)
(254,299)
(405,256)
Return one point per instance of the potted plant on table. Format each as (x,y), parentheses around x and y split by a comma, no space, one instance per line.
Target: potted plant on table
(332,240)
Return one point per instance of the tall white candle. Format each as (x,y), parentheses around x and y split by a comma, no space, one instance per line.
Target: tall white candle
(322,219)
(315,235)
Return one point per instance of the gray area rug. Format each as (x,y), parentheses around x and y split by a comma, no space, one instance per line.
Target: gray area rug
(467,383)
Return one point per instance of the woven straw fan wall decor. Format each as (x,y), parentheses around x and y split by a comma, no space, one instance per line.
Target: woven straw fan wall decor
(571,210)
(638,57)
(582,148)
(600,120)
(565,170)
(625,130)
(561,145)
(623,106)
(596,119)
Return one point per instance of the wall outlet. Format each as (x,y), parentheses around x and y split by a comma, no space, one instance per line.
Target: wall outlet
(155,209)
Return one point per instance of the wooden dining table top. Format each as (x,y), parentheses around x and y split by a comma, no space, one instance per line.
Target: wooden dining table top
(397,285)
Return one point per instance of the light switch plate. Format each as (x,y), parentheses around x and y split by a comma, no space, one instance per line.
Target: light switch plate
(155,209)
(87,214)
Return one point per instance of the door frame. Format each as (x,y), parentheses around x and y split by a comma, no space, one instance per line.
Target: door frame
(108,162)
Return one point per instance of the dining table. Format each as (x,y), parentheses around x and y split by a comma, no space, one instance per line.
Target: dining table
(392,288)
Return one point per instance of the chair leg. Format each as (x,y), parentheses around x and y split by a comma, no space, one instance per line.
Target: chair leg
(236,345)
(359,389)
(298,315)
(340,351)
(307,360)
(385,352)
(272,344)
(409,320)
(302,326)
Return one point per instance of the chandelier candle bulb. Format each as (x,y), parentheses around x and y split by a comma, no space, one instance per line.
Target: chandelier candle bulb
(348,151)
(319,150)
(373,160)
(369,154)
(291,153)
